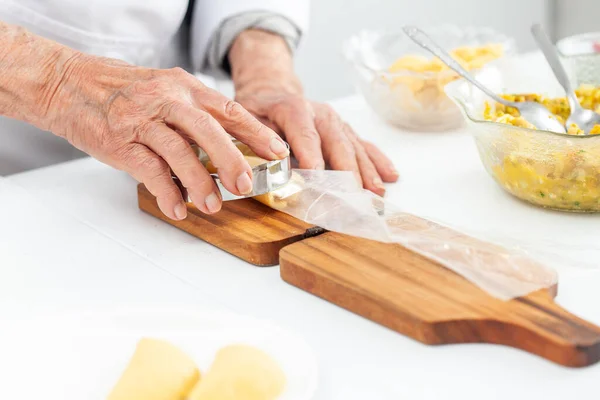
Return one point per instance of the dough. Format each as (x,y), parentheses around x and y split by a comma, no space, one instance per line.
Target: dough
(241,373)
(285,197)
(157,371)
(252,160)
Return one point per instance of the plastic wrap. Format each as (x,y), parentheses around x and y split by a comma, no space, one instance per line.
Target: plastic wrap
(560,255)
(334,201)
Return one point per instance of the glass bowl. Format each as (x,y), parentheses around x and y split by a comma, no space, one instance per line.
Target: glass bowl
(408,99)
(581,56)
(548,169)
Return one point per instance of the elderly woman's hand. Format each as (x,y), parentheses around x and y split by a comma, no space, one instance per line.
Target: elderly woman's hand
(138,120)
(142,121)
(267,87)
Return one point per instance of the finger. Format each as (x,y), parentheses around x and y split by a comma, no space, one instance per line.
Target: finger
(242,125)
(337,147)
(296,117)
(384,165)
(266,122)
(147,167)
(234,171)
(180,157)
(370,177)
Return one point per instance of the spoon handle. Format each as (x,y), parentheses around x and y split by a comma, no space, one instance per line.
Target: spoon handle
(420,38)
(551,55)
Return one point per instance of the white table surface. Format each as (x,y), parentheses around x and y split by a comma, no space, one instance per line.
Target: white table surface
(72,237)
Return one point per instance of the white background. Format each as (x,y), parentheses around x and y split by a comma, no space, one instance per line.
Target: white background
(576,16)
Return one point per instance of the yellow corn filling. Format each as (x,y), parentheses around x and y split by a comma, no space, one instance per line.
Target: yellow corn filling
(423,79)
(588,95)
(558,173)
(469,57)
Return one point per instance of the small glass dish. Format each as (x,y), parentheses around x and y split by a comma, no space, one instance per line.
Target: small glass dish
(581,55)
(405,98)
(548,169)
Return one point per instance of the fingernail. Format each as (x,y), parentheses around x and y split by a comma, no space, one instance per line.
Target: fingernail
(394,171)
(244,183)
(212,202)
(195,199)
(279,148)
(180,211)
(378,183)
(319,167)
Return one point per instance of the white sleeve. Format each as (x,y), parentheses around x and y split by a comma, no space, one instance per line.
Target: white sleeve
(210,16)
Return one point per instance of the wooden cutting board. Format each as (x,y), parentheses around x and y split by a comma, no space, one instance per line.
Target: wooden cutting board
(245,228)
(390,284)
(419,298)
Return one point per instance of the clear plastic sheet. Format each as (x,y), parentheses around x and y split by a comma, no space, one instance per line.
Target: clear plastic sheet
(334,201)
(562,256)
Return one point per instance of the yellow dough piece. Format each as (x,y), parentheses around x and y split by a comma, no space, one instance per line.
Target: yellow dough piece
(286,196)
(252,160)
(255,161)
(157,371)
(241,373)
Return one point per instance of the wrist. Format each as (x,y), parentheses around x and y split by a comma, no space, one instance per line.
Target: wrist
(57,74)
(259,59)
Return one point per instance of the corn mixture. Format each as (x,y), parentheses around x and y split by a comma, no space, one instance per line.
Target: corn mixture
(416,84)
(555,173)
(469,57)
(432,74)
(589,97)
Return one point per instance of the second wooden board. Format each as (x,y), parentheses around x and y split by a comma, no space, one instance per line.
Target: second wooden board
(417,297)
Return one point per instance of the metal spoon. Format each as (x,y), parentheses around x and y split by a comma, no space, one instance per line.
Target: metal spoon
(533,112)
(584,118)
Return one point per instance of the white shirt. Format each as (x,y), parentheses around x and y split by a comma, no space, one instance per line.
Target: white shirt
(142,32)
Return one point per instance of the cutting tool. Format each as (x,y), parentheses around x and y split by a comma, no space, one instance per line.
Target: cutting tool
(266,177)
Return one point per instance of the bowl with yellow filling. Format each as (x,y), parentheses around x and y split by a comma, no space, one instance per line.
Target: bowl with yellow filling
(404,84)
(548,169)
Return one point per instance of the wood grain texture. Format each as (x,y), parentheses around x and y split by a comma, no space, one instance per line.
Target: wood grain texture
(245,228)
(410,294)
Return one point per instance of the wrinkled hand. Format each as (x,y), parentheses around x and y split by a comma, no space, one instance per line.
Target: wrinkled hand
(262,69)
(143,120)
(318,137)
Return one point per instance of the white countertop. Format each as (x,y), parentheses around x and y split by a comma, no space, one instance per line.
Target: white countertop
(72,237)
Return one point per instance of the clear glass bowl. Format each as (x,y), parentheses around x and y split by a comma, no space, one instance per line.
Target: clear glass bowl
(413,100)
(551,170)
(581,56)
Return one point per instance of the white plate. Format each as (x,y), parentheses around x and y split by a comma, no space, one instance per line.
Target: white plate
(81,357)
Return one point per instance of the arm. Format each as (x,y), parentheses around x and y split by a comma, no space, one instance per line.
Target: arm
(136,119)
(256,54)
(31,67)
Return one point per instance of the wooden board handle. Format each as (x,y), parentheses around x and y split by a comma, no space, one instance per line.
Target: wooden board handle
(544,328)
(533,323)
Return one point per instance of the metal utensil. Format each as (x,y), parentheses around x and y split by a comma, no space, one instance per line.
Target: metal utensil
(533,112)
(266,177)
(584,118)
